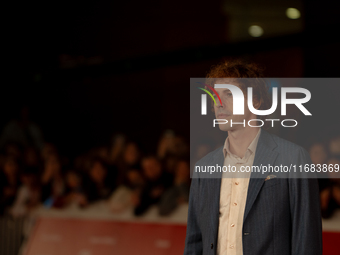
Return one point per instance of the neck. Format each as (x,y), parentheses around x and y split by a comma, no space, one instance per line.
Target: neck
(240,139)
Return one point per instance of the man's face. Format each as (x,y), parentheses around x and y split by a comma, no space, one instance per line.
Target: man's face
(225,111)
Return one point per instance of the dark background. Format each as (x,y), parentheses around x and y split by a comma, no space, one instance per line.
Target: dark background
(88,70)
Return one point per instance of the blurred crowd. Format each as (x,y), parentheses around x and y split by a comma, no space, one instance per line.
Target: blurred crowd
(34,173)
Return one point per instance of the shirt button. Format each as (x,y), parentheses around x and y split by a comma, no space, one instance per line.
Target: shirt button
(236,183)
(232,225)
(235,204)
(231,246)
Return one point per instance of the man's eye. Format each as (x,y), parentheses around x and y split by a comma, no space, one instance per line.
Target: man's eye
(229,94)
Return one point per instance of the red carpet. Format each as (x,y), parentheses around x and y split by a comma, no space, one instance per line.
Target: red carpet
(88,237)
(331,243)
(55,236)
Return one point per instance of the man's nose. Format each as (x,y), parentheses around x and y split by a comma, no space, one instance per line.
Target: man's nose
(218,103)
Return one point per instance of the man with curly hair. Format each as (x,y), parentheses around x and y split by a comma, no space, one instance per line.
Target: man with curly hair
(251,216)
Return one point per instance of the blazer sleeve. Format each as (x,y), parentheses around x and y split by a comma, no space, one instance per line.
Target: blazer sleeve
(305,212)
(193,240)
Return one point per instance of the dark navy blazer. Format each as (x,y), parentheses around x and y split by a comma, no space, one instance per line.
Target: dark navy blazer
(282,215)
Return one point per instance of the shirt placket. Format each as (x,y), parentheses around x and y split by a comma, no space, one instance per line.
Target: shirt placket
(224,217)
(233,214)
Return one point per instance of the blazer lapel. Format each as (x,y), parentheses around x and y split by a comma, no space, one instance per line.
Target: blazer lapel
(266,156)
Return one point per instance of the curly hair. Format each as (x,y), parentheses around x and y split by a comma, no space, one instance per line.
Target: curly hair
(237,69)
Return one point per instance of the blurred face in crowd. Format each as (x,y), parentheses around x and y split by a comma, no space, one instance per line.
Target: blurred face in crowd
(225,111)
(131,154)
(318,154)
(72,179)
(171,145)
(52,165)
(135,177)
(98,172)
(151,168)
(166,144)
(10,167)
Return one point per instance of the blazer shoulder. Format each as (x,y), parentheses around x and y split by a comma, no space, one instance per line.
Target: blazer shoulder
(286,147)
(210,156)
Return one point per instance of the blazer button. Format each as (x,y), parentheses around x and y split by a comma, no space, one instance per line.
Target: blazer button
(212,246)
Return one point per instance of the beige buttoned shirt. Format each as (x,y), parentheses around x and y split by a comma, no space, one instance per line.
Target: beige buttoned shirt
(233,196)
